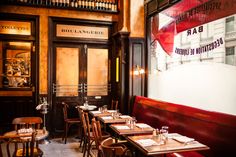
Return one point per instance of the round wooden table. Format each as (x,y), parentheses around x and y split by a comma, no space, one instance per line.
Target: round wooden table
(41,134)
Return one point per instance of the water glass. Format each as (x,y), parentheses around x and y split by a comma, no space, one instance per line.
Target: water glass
(163,136)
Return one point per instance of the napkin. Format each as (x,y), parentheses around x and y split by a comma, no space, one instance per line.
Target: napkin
(121,127)
(142,125)
(183,139)
(111,111)
(125,116)
(146,142)
(107,117)
(92,106)
(94,112)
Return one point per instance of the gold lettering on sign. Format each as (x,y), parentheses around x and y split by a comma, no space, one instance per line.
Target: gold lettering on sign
(82,31)
(15,27)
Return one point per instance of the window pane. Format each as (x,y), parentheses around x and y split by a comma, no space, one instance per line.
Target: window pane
(15,64)
(230,56)
(67,79)
(230,24)
(97,78)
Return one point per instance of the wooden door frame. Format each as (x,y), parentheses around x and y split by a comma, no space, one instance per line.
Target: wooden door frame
(53,21)
(33,38)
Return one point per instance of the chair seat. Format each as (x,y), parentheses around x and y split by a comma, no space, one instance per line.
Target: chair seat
(105,135)
(72,120)
(37,152)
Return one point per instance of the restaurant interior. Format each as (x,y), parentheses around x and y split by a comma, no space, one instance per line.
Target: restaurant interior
(117,78)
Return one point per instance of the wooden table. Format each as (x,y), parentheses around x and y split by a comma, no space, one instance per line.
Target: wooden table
(111,120)
(101,114)
(171,146)
(41,134)
(124,129)
(87,108)
(107,120)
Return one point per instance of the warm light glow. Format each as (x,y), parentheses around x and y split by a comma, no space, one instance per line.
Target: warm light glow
(117,69)
(138,70)
(26,44)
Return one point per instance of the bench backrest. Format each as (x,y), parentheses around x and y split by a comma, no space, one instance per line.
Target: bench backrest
(216,130)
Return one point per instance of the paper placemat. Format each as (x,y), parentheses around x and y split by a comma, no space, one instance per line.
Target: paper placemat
(121,127)
(111,111)
(125,116)
(146,142)
(142,125)
(107,117)
(183,139)
(96,112)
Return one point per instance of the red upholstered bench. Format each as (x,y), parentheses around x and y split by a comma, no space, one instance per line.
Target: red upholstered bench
(216,130)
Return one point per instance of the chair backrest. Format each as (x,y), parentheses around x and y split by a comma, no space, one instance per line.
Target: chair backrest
(97,132)
(111,149)
(86,127)
(87,124)
(27,122)
(114,104)
(19,143)
(65,107)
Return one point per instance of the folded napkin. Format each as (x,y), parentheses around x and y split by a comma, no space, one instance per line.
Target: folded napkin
(142,125)
(146,142)
(111,111)
(107,117)
(125,116)
(183,139)
(95,112)
(121,127)
(92,106)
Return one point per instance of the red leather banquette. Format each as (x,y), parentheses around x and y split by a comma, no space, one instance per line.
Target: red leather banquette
(214,129)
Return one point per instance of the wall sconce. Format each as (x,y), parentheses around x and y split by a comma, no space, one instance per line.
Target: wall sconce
(138,70)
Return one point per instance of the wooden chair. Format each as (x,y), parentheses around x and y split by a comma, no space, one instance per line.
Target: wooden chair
(68,122)
(109,148)
(27,122)
(22,146)
(114,105)
(97,133)
(88,134)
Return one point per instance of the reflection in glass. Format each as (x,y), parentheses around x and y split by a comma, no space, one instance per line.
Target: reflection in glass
(97,79)
(67,71)
(15,64)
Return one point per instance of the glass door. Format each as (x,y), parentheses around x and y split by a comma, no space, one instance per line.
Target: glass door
(81,71)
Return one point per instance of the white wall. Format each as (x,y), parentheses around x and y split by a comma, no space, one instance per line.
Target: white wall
(209,86)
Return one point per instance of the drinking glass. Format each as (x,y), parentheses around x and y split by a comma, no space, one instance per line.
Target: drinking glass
(163,136)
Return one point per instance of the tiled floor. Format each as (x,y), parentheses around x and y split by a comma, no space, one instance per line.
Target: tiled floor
(57,148)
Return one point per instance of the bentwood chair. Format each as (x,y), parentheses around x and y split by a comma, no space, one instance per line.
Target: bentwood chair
(23,146)
(68,122)
(109,148)
(89,137)
(27,122)
(97,133)
(114,105)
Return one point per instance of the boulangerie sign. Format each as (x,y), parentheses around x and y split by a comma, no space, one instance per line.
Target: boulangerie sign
(77,31)
(186,15)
